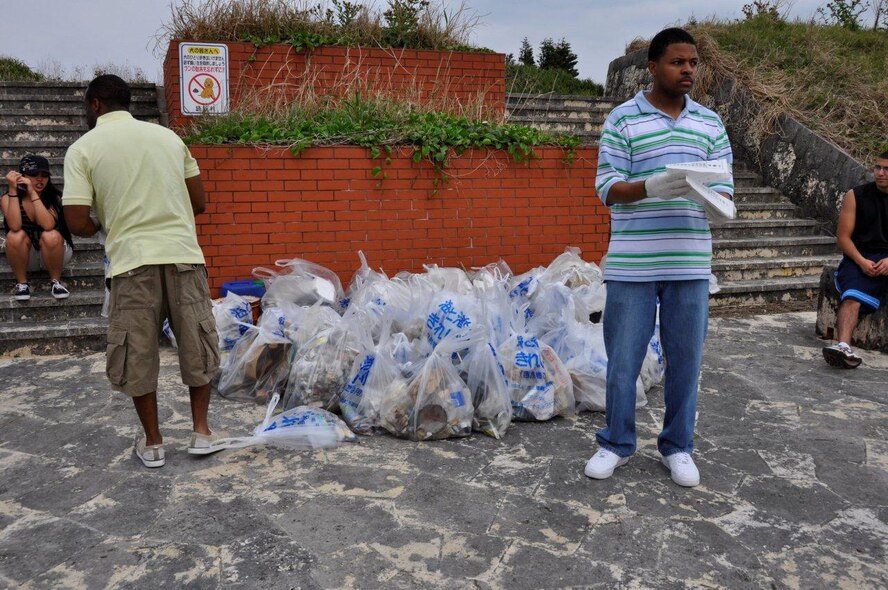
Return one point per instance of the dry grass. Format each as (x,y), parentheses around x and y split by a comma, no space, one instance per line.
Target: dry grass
(299,88)
(833,80)
(404,23)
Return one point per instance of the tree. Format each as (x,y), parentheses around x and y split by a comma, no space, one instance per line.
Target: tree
(567,59)
(525,54)
(843,13)
(558,56)
(880,12)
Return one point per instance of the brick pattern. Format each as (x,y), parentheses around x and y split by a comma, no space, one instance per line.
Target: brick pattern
(469,82)
(325,204)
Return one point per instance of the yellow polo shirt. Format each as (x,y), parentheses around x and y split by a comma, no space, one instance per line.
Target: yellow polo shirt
(132,174)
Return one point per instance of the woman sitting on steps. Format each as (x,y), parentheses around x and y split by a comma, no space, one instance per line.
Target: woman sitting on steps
(36,234)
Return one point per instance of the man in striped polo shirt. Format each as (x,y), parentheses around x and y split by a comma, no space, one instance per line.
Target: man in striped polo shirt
(660,251)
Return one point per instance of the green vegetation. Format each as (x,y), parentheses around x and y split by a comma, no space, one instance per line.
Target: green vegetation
(832,78)
(533,80)
(377,125)
(12,69)
(555,72)
(414,24)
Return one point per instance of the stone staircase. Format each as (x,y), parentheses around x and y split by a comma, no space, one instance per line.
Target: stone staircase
(45,118)
(769,258)
(578,115)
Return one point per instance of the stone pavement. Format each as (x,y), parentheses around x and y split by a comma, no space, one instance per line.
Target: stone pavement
(793,456)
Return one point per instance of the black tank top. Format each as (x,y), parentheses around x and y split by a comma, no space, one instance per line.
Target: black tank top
(871,225)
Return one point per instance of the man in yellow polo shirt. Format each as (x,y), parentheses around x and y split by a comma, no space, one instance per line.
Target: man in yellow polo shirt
(145,189)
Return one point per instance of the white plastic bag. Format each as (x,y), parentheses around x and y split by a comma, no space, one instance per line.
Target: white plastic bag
(451,315)
(435,403)
(374,374)
(233,315)
(299,428)
(539,385)
(486,380)
(257,366)
(321,366)
(299,282)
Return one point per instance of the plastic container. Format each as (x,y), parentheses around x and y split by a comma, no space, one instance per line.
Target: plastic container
(247,287)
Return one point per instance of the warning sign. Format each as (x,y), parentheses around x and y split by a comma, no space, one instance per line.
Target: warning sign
(203,77)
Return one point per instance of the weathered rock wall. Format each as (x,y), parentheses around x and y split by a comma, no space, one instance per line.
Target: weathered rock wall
(811,171)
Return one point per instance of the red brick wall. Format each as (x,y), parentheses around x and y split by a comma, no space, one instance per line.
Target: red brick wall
(469,82)
(325,204)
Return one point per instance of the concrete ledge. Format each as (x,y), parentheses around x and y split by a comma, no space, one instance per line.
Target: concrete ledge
(871,332)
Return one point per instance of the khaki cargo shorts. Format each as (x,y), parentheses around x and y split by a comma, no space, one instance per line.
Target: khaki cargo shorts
(140,300)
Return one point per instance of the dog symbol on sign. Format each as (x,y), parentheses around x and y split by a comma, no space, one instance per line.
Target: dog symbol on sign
(205,89)
(208,89)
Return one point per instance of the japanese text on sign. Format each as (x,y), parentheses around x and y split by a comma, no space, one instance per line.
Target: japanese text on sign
(203,77)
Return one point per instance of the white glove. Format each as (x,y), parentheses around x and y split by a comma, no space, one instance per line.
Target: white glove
(666,186)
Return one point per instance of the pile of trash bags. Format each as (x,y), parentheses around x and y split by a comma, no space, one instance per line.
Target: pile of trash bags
(424,356)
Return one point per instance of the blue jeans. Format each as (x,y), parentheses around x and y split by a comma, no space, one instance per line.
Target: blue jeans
(629,317)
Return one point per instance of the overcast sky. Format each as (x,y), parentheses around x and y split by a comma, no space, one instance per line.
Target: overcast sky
(64,36)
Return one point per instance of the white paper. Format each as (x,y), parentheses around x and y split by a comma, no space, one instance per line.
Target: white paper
(718,207)
(705,171)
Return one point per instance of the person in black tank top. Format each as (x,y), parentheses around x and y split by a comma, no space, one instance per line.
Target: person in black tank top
(36,233)
(862,276)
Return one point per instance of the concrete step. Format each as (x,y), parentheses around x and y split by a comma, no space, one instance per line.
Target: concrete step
(54,337)
(751,293)
(745,179)
(37,133)
(575,101)
(42,307)
(749,269)
(79,275)
(558,125)
(64,102)
(740,228)
(47,149)
(558,112)
(772,247)
(20,119)
(767,210)
(758,194)
(75,89)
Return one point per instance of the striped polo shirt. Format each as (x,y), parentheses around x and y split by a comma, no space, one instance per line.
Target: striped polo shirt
(657,239)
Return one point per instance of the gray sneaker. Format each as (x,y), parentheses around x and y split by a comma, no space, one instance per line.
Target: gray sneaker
(840,355)
(205,444)
(149,455)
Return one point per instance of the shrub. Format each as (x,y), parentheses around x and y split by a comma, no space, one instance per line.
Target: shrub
(13,69)
(415,24)
(533,80)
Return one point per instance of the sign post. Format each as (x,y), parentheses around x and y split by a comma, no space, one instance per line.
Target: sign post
(203,78)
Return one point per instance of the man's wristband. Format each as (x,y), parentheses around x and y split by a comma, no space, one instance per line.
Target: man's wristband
(35,200)
(16,195)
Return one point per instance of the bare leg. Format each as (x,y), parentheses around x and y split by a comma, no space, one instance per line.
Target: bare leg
(52,249)
(18,250)
(200,405)
(846,320)
(146,408)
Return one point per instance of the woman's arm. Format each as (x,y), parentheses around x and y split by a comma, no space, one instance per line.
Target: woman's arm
(35,208)
(11,210)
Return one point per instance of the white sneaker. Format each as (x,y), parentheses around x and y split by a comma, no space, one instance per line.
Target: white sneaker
(603,463)
(682,469)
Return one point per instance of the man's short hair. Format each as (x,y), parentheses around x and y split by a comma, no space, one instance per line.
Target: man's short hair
(884,155)
(665,38)
(110,90)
